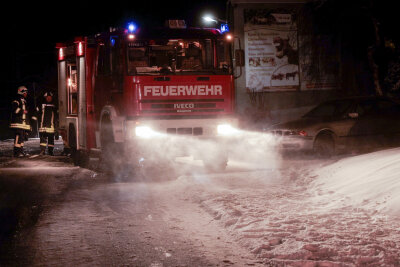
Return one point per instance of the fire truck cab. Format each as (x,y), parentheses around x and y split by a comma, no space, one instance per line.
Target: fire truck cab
(139,94)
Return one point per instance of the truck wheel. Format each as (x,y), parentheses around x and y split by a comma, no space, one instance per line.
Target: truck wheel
(112,153)
(324,145)
(107,143)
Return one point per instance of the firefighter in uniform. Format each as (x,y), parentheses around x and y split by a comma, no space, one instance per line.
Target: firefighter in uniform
(48,120)
(20,121)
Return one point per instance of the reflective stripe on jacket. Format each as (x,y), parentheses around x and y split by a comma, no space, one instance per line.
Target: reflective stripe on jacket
(48,118)
(20,118)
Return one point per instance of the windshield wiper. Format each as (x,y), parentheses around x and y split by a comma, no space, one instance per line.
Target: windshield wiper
(148,72)
(200,71)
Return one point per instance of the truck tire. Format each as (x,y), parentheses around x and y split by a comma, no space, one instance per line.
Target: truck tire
(324,145)
(107,143)
(112,154)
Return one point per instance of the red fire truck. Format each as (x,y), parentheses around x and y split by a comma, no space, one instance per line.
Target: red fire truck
(138,94)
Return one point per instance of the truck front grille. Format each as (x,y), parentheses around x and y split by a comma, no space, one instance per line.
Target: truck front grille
(185,131)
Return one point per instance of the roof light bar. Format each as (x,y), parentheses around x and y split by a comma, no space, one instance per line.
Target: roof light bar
(132,27)
(224,27)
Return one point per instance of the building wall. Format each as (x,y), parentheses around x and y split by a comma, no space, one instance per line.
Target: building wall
(271,105)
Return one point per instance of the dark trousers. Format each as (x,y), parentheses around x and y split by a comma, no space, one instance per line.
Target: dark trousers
(19,138)
(47,139)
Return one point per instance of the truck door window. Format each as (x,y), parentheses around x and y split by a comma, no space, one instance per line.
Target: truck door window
(103,63)
(223,56)
(115,55)
(72,89)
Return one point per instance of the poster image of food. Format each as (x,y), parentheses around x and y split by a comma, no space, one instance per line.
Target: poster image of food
(272,59)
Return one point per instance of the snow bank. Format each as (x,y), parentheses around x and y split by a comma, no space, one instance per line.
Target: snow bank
(369,181)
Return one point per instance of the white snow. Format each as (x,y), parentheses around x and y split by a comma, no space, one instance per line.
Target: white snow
(370,181)
(338,212)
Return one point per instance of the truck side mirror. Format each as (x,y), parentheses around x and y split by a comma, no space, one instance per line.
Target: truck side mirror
(239,57)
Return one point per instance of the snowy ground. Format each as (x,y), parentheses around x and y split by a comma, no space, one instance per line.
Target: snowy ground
(296,211)
(310,213)
(32,146)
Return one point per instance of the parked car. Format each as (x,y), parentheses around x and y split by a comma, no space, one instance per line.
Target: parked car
(347,123)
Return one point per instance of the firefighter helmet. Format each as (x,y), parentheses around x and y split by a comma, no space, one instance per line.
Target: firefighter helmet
(22,90)
(48,93)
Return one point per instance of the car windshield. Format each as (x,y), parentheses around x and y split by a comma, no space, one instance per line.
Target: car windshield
(330,109)
(178,56)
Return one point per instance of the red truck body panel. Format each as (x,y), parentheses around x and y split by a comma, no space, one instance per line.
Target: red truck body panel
(179,95)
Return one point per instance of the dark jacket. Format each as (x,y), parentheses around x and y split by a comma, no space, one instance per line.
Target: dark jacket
(20,115)
(48,117)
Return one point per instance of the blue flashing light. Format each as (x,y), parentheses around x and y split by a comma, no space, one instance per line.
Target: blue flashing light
(224,28)
(112,40)
(132,27)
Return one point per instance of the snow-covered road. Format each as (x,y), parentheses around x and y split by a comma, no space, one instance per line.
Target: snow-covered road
(296,211)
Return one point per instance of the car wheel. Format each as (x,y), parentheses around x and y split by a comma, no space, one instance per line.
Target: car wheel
(324,145)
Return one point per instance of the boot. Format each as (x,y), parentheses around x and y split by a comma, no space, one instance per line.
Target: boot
(24,154)
(66,152)
(17,152)
(42,150)
(51,149)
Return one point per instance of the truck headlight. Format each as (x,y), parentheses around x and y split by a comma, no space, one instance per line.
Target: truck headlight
(145,132)
(226,129)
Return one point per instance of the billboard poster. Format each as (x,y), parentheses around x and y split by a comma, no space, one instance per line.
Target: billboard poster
(271,53)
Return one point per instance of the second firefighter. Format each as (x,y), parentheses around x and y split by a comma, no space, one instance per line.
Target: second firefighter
(48,123)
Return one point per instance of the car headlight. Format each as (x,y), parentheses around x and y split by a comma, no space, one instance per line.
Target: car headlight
(226,129)
(145,132)
(279,133)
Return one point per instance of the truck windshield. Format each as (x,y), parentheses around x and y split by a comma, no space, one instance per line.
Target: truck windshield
(178,57)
